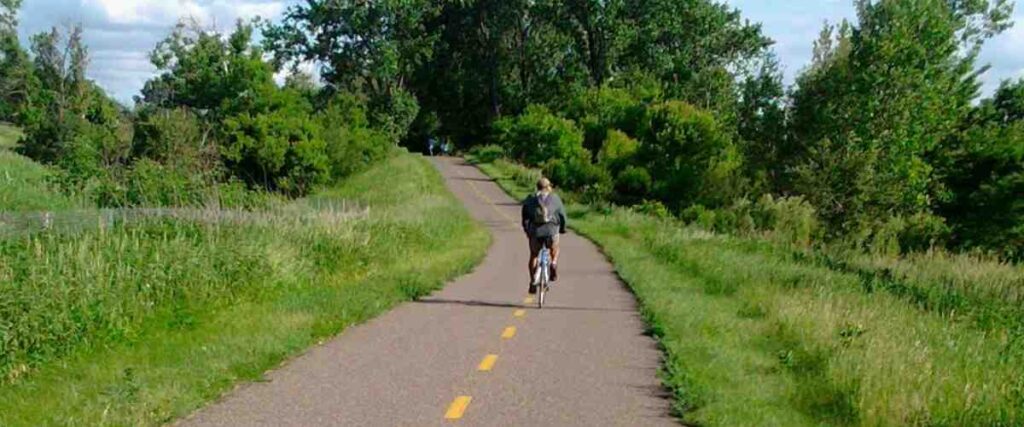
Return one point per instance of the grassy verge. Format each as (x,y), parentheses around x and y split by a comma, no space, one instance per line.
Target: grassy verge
(24,184)
(757,336)
(141,324)
(9,136)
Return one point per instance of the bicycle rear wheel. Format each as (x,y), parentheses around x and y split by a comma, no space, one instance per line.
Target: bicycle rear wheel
(542,289)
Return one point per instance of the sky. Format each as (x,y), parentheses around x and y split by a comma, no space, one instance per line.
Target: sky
(121,33)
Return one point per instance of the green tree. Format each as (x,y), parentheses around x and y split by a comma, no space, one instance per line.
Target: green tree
(364,47)
(208,73)
(983,168)
(17,81)
(689,45)
(690,154)
(761,125)
(881,98)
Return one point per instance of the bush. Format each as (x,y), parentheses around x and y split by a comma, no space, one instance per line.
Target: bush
(692,156)
(577,173)
(617,152)
(791,220)
(394,114)
(701,216)
(351,146)
(175,137)
(599,110)
(523,176)
(487,153)
(280,149)
(632,185)
(537,136)
(653,208)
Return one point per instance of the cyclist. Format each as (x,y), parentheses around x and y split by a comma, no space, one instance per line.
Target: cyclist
(543,218)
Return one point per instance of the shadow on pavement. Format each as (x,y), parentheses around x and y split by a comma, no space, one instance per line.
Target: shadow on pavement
(477,303)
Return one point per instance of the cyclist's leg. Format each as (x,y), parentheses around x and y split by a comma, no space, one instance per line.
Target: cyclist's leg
(552,243)
(535,247)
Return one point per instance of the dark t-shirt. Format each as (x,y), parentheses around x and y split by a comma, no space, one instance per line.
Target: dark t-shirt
(555,207)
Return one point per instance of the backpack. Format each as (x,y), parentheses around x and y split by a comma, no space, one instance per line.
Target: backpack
(539,212)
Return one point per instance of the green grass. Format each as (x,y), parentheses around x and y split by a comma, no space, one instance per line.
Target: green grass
(142,324)
(24,184)
(9,136)
(754,335)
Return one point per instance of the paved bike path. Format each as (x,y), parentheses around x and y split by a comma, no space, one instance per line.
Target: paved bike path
(582,360)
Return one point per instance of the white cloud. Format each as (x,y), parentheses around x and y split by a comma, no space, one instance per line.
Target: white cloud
(121,33)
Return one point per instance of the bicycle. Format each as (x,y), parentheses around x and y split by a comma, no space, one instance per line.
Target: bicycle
(542,275)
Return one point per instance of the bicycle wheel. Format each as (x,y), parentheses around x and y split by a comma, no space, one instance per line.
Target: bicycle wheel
(542,289)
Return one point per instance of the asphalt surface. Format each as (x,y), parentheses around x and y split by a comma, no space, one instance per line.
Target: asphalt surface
(582,360)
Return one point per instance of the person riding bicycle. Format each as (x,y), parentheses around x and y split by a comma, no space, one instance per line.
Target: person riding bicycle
(543,218)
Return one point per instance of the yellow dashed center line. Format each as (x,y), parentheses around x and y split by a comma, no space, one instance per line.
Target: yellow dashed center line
(485,198)
(509,332)
(457,408)
(488,363)
(459,405)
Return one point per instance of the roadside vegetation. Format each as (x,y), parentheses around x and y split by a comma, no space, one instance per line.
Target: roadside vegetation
(153,257)
(759,331)
(142,323)
(840,251)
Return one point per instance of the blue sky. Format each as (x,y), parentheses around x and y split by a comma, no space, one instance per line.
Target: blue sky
(795,24)
(120,33)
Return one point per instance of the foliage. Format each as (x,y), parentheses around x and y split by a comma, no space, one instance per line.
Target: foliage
(246,290)
(351,144)
(692,156)
(487,153)
(880,97)
(984,172)
(280,148)
(539,136)
(601,110)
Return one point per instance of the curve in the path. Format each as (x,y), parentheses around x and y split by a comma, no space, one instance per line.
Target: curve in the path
(476,353)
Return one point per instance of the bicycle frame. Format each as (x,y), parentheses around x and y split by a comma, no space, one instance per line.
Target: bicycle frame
(543,271)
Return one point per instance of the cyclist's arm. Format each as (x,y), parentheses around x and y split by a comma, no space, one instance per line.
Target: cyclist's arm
(524,215)
(563,219)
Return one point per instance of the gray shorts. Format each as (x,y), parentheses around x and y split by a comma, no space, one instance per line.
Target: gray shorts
(536,243)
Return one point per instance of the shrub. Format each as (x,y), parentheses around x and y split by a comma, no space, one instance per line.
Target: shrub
(577,173)
(923,231)
(393,114)
(632,185)
(523,176)
(701,216)
(791,220)
(599,110)
(653,208)
(618,151)
(487,153)
(692,156)
(537,136)
(281,149)
(175,137)
(351,146)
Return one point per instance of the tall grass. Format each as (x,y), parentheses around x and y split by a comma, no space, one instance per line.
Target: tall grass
(25,186)
(143,322)
(757,336)
(9,136)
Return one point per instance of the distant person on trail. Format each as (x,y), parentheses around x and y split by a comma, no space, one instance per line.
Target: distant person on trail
(431,143)
(543,221)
